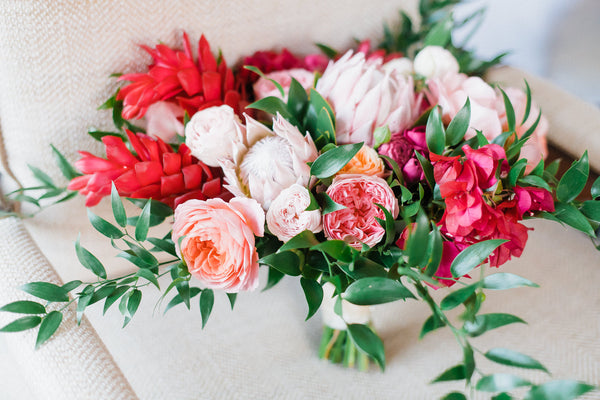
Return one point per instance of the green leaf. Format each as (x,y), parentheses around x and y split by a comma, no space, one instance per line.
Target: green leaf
(98,135)
(273,279)
(417,240)
(327,204)
(104,227)
(559,390)
(591,209)
(65,167)
(440,33)
(458,297)
(88,260)
(501,383)
(487,322)
(376,290)
(458,126)
(285,261)
(329,163)
(22,324)
(49,325)
(103,292)
(133,302)
(149,276)
(232,297)
(337,249)
(473,256)
(165,245)
(434,132)
(314,295)
(510,112)
(117,207)
(533,180)
(435,248)
(24,307)
(528,104)
(432,323)
(514,359)
(427,168)
(454,396)
(183,288)
(502,396)
(381,135)
(573,181)
(505,280)
(455,373)
(325,126)
(71,285)
(297,99)
(46,290)
(388,225)
(328,51)
(303,240)
(516,172)
(207,300)
(595,190)
(273,105)
(262,75)
(367,342)
(143,223)
(469,360)
(41,176)
(573,217)
(135,260)
(116,295)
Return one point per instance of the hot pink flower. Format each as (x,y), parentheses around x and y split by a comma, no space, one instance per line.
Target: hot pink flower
(531,199)
(401,148)
(218,242)
(356,224)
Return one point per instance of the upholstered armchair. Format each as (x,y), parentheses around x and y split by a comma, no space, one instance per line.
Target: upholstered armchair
(55,62)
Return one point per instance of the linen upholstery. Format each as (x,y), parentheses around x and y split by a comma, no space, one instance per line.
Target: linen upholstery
(54,62)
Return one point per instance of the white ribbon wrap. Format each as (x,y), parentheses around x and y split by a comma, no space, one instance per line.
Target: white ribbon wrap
(352,313)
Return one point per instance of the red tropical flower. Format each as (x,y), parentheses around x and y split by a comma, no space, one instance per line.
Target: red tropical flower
(156,172)
(175,76)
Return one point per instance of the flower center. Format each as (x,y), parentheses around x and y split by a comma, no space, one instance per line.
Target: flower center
(266,158)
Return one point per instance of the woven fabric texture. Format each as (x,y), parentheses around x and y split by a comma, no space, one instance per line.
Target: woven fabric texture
(75,363)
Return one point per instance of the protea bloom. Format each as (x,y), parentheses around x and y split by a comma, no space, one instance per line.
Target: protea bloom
(365,95)
(268,161)
(156,172)
(176,77)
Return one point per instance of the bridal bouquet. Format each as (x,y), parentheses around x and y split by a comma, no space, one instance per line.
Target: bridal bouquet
(372,175)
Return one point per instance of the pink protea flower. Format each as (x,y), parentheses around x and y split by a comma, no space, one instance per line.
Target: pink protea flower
(156,172)
(401,148)
(218,241)
(365,96)
(176,77)
(356,224)
(265,88)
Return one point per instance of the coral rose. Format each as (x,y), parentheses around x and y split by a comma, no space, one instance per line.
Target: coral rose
(213,134)
(218,241)
(265,88)
(287,215)
(366,162)
(356,224)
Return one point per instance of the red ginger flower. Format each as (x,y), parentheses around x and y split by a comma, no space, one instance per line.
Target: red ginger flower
(156,172)
(176,77)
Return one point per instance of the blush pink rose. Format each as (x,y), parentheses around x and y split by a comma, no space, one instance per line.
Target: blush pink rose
(356,224)
(536,147)
(450,92)
(218,241)
(287,215)
(265,88)
(164,121)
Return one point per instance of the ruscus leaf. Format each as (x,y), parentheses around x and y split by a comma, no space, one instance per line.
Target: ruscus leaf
(501,383)
(368,342)
(22,324)
(285,261)
(117,207)
(474,255)
(24,307)
(513,359)
(313,293)
(89,261)
(49,325)
(458,126)
(143,223)
(207,300)
(455,373)
(104,227)
(329,163)
(574,180)
(376,290)
(559,390)
(505,280)
(434,132)
(46,290)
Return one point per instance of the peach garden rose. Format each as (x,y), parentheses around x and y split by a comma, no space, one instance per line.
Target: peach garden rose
(218,242)
(366,162)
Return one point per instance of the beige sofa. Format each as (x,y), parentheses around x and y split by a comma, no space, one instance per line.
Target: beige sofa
(55,58)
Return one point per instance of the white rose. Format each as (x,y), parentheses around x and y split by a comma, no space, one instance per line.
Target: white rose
(213,134)
(402,66)
(287,215)
(435,61)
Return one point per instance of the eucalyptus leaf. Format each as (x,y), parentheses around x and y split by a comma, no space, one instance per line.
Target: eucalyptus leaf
(112,298)
(149,276)
(329,163)
(473,256)
(165,245)
(207,300)
(49,325)
(501,383)
(368,342)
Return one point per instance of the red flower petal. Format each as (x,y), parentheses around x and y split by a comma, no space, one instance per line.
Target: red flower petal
(194,195)
(172,184)
(212,188)
(117,152)
(171,163)
(148,172)
(192,176)
(211,84)
(127,183)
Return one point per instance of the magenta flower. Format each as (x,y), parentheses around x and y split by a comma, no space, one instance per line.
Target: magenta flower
(401,148)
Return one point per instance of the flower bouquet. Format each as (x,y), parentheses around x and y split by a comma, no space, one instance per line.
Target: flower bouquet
(373,175)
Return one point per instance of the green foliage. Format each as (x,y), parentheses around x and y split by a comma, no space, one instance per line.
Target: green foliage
(368,342)
(207,300)
(458,126)
(559,390)
(473,256)
(574,180)
(435,133)
(48,326)
(24,307)
(376,290)
(327,164)
(313,292)
(500,383)
(513,359)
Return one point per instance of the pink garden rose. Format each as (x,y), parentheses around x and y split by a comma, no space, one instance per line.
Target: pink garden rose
(287,215)
(401,148)
(451,90)
(218,241)
(365,96)
(356,224)
(265,88)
